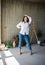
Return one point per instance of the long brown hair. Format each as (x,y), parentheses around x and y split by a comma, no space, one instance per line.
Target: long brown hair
(27,19)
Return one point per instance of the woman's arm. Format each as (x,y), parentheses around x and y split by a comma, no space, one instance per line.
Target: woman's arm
(30,19)
(18,25)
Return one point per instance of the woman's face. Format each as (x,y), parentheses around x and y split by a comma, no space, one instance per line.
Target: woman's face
(25,19)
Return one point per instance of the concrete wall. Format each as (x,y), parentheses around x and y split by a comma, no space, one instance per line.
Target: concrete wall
(0,21)
(12,13)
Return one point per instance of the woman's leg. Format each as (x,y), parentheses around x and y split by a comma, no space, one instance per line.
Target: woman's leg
(20,42)
(26,37)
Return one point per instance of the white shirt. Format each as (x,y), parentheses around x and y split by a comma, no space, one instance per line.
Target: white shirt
(24,26)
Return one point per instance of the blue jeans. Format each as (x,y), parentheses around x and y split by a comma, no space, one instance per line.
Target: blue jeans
(26,38)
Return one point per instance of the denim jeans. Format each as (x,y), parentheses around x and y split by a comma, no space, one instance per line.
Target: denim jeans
(26,38)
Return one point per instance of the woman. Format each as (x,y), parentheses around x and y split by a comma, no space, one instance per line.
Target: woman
(24,32)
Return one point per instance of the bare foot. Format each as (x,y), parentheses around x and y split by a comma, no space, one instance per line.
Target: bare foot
(20,53)
(30,52)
